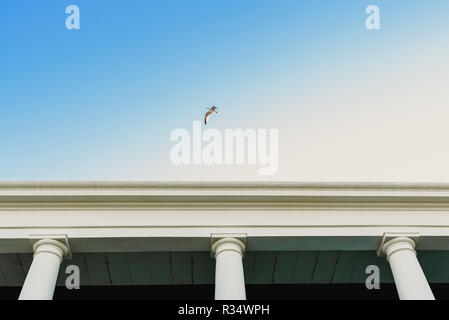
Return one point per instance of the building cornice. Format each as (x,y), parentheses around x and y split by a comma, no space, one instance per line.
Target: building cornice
(138,216)
(223,185)
(224,192)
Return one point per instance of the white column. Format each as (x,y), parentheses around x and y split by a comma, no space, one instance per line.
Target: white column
(409,278)
(229,278)
(41,279)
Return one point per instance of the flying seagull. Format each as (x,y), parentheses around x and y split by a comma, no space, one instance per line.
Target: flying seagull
(212,110)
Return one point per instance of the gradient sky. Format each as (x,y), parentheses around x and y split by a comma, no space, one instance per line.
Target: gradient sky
(100,103)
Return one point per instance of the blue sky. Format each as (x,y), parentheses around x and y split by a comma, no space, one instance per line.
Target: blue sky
(99,103)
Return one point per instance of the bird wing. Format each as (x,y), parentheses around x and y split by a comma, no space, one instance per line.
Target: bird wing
(207,116)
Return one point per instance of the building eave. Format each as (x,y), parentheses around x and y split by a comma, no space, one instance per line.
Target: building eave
(139,216)
(227,191)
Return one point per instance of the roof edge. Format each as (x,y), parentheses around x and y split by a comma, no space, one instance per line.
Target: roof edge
(223,185)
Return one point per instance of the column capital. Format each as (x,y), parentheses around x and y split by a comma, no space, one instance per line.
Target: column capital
(51,246)
(398,244)
(228,244)
(57,244)
(388,238)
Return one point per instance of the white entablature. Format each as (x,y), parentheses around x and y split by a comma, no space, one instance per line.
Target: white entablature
(182,216)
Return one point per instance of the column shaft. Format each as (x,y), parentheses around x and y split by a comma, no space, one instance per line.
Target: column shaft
(229,276)
(41,279)
(409,278)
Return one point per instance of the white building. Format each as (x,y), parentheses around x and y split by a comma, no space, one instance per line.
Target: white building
(226,234)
